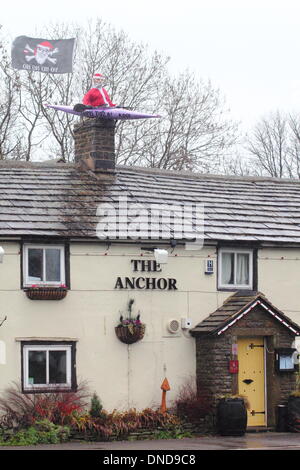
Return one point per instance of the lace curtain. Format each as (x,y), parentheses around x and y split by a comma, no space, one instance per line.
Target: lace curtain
(235,269)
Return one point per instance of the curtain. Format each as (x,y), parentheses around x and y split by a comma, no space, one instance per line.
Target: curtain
(242,269)
(227,268)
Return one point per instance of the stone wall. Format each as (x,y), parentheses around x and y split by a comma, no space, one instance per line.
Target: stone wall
(212,356)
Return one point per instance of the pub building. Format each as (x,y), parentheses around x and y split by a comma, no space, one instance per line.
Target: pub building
(222,310)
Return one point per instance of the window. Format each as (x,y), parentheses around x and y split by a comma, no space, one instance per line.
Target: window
(48,366)
(44,265)
(235,269)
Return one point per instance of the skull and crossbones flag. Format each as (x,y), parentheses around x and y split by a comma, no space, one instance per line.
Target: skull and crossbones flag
(42,55)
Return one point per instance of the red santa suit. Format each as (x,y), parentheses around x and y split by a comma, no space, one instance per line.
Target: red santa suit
(97,97)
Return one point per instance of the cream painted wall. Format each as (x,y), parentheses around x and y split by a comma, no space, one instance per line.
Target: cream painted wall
(279,279)
(129,376)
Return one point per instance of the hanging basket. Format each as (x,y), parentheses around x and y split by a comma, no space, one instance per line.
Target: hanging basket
(130,335)
(46,293)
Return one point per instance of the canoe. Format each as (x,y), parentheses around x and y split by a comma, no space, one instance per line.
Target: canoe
(104,113)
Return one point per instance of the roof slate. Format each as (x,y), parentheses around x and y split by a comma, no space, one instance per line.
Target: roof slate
(60,200)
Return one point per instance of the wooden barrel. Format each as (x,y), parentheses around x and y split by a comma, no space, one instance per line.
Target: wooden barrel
(293,414)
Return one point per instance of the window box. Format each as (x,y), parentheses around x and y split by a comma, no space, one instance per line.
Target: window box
(235,269)
(48,367)
(46,293)
(44,266)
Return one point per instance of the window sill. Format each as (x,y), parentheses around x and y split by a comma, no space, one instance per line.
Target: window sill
(236,288)
(46,293)
(57,389)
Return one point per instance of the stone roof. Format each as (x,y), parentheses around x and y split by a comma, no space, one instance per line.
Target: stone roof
(235,307)
(61,200)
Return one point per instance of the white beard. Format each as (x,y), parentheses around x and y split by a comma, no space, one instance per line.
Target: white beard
(41,58)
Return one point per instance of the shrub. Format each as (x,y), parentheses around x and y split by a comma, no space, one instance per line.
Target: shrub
(23,410)
(121,424)
(190,404)
(42,417)
(43,432)
(96,409)
(176,433)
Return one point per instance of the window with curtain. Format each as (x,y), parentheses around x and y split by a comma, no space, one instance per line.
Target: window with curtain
(44,265)
(235,268)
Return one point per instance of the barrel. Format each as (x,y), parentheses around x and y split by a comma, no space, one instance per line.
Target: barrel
(231,417)
(293,414)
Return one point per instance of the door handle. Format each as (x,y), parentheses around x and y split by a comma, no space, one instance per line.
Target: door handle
(248,381)
(252,346)
(253,412)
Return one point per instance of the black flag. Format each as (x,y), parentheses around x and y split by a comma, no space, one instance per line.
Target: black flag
(43,55)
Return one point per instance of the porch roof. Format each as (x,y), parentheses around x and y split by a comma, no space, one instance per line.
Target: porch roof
(236,307)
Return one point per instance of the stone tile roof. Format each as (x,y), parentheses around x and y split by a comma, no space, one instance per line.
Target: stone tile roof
(62,200)
(234,308)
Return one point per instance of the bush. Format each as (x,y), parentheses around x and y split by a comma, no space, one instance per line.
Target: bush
(96,410)
(43,432)
(23,410)
(191,405)
(121,424)
(176,433)
(28,419)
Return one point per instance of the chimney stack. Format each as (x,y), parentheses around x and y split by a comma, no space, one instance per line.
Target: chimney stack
(95,144)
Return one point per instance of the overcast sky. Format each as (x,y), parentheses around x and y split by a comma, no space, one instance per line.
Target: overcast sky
(248,48)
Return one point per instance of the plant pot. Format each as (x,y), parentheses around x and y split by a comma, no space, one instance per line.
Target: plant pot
(46,293)
(231,417)
(293,414)
(130,335)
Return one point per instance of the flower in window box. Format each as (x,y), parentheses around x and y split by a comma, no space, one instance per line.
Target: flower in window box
(46,292)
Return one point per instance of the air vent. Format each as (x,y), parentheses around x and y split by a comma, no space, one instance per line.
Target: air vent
(173,326)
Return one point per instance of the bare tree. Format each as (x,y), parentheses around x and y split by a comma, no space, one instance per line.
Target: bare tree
(9,104)
(269,145)
(274,145)
(294,146)
(194,133)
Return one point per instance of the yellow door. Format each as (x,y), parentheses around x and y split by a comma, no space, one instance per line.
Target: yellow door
(251,377)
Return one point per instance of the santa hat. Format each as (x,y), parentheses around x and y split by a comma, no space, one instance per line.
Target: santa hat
(98,75)
(45,45)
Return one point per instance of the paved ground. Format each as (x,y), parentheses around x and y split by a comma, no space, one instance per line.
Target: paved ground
(251,441)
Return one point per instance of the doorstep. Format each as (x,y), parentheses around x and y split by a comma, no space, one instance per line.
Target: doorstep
(260,429)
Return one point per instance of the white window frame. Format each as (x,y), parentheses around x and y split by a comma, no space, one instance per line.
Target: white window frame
(26,280)
(47,347)
(235,251)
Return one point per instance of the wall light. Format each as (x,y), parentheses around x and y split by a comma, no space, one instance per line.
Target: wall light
(161,256)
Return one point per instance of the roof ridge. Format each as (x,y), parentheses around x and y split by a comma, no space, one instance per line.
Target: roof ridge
(198,175)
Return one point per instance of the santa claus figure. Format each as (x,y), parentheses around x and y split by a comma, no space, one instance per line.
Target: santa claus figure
(97,96)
